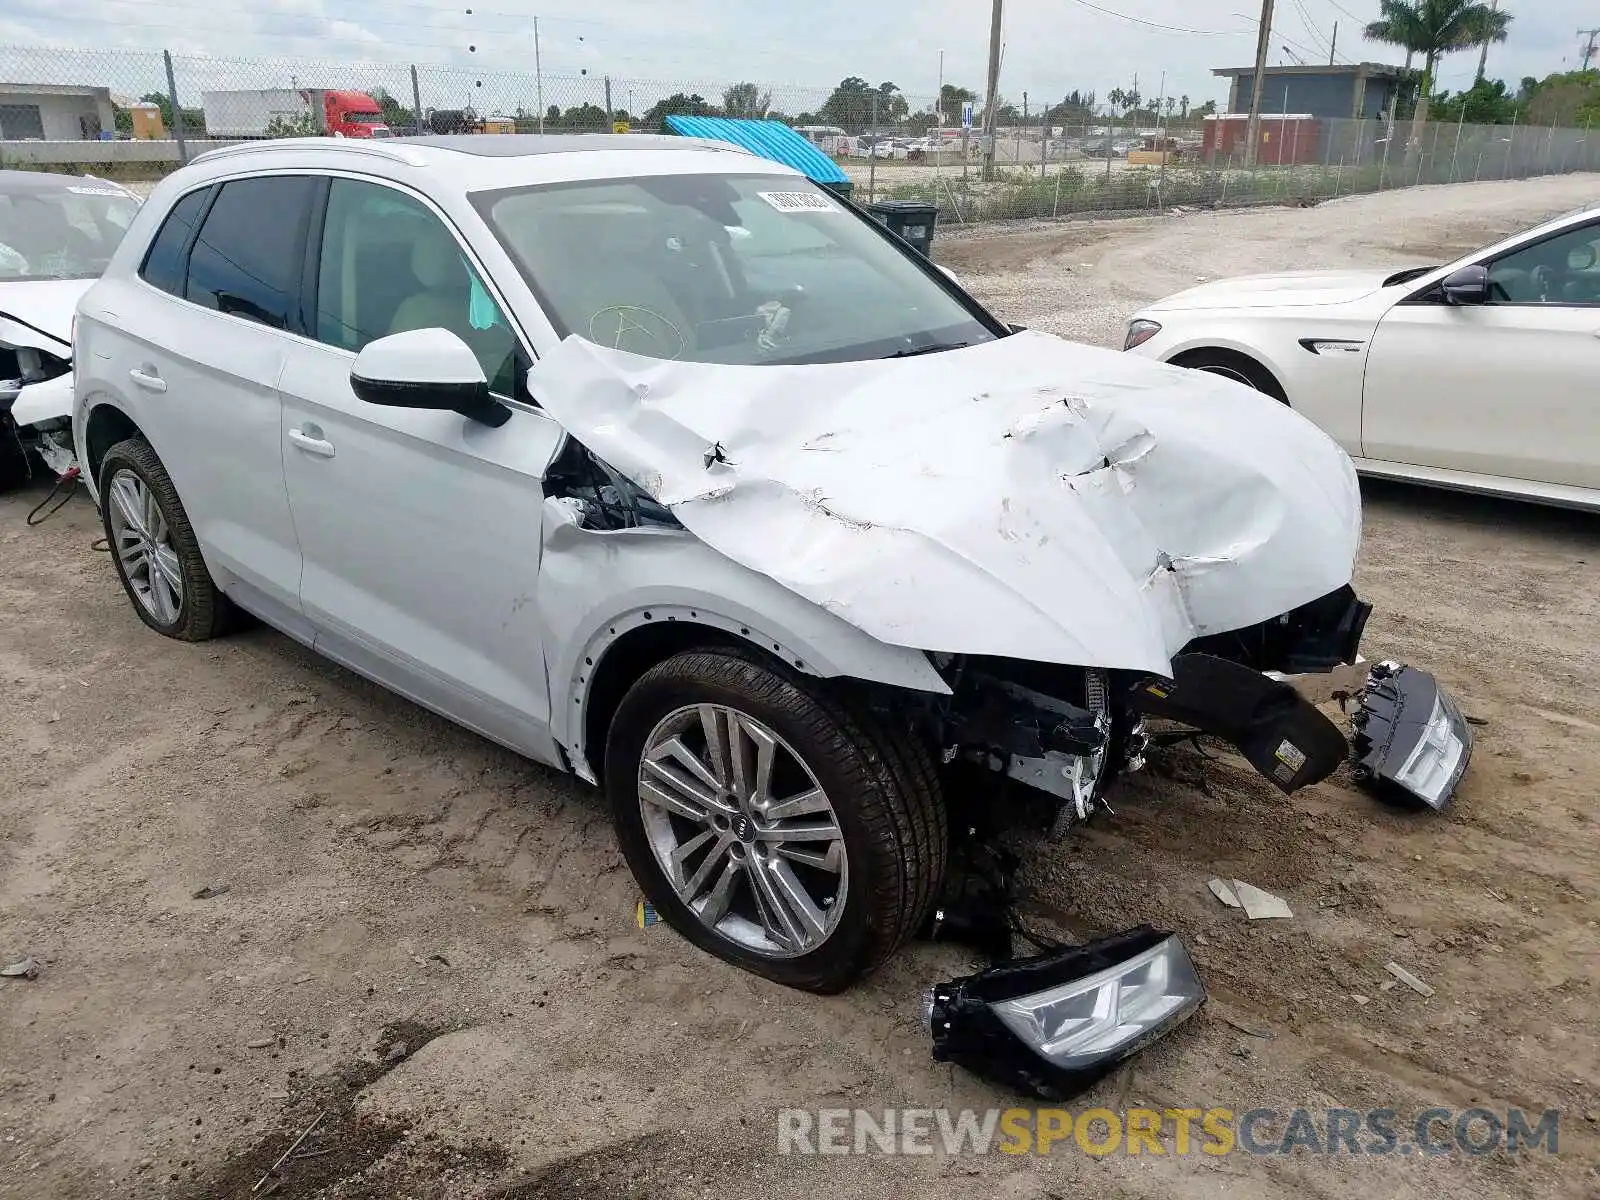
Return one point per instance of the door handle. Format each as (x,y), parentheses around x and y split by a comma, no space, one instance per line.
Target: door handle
(148,378)
(310,440)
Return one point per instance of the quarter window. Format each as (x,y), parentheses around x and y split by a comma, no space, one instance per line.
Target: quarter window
(246,261)
(163,262)
(389,265)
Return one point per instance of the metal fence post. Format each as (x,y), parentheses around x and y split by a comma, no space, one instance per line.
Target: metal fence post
(177,113)
(416,98)
(872,154)
(1456,153)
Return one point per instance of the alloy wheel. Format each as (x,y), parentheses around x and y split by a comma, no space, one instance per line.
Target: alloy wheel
(142,541)
(744,833)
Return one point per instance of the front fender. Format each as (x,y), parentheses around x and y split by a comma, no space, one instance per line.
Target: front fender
(598,586)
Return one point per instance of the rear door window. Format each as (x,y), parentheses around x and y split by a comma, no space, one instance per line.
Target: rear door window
(247,260)
(164,262)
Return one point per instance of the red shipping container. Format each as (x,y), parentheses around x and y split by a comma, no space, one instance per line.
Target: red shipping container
(1281,140)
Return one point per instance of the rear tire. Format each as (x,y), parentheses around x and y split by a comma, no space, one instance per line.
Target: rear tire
(156,553)
(1230,364)
(875,872)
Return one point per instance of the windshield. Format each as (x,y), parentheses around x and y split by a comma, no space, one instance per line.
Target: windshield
(65,234)
(724,269)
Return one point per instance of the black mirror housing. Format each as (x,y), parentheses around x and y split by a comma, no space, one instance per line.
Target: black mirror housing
(1469,285)
(469,399)
(429,369)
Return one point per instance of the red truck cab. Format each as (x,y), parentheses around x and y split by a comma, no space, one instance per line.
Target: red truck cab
(353,115)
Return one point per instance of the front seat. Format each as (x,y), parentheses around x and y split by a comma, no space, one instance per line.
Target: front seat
(445,291)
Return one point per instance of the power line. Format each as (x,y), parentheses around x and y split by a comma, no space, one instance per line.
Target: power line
(1158,25)
(1311,28)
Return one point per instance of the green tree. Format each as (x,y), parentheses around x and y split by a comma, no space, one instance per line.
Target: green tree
(850,105)
(1434,28)
(746,100)
(892,106)
(676,105)
(395,115)
(1183,103)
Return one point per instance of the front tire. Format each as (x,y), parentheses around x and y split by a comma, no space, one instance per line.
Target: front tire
(1240,368)
(156,553)
(770,824)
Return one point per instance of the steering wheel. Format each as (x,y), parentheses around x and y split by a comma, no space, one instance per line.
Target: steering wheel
(616,323)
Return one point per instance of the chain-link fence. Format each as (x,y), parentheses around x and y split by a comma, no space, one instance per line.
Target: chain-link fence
(1050,163)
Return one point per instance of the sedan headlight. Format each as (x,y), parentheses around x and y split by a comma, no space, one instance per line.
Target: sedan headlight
(1140,332)
(1053,1025)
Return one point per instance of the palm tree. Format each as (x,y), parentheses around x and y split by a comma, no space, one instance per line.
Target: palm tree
(1434,28)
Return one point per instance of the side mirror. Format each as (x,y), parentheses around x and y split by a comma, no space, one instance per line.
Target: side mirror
(426,368)
(1469,285)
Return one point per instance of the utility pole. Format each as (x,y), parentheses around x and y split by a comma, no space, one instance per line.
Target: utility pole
(538,74)
(990,107)
(938,103)
(1252,131)
(1590,49)
(611,113)
(1333,47)
(1483,51)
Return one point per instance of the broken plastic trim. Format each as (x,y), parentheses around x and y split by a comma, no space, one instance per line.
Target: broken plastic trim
(604,498)
(1053,1025)
(1277,729)
(1410,742)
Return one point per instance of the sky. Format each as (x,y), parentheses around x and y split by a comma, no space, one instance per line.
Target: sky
(798,50)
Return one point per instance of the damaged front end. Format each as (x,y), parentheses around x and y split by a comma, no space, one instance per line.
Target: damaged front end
(35,410)
(1066,731)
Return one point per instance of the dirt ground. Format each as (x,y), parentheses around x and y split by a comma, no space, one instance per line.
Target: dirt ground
(431,943)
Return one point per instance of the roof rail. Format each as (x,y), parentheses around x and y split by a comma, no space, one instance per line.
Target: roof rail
(374,147)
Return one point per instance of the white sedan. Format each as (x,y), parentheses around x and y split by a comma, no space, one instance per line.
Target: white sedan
(1482,375)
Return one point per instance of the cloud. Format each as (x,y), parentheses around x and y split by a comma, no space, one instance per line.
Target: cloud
(798,50)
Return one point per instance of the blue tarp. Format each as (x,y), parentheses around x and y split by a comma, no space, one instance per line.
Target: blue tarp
(772,140)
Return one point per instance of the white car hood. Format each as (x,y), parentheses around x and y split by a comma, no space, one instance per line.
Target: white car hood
(1027,497)
(1289,288)
(45,304)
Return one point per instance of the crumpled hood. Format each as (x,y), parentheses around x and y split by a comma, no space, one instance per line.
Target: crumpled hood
(1291,288)
(46,304)
(1028,497)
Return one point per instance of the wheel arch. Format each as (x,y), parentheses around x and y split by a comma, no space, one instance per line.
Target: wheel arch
(1248,357)
(103,428)
(626,647)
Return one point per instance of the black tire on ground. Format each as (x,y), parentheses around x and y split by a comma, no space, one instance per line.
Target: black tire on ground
(881,783)
(204,612)
(1230,364)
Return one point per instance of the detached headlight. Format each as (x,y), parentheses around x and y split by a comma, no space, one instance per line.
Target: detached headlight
(1053,1025)
(1140,332)
(1409,736)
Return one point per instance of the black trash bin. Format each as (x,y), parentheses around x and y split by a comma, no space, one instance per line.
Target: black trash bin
(911,219)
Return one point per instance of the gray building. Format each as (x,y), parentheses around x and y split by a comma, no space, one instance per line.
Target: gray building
(1360,90)
(54,112)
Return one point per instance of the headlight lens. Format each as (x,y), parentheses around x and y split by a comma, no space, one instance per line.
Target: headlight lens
(1140,332)
(1080,1022)
(1052,1025)
(1431,766)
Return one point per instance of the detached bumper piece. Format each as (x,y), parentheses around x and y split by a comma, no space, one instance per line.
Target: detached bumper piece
(1053,1025)
(1279,731)
(1410,742)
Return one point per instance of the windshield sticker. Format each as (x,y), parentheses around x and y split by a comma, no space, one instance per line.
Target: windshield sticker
(800,202)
